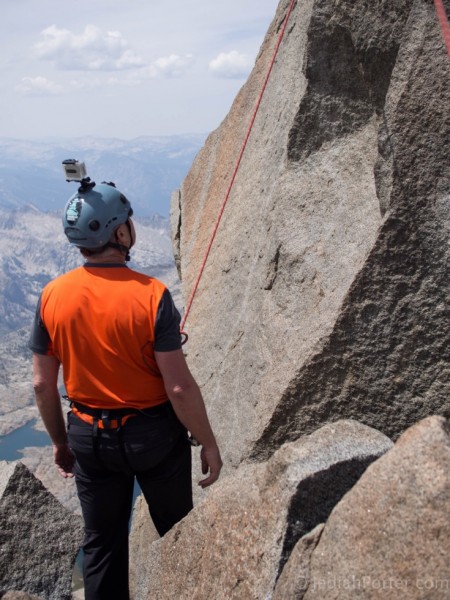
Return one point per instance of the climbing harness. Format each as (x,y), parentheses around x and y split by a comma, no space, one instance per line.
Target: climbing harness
(233,176)
(101,419)
(115,418)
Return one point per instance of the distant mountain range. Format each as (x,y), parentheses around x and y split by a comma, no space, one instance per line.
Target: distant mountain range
(147,169)
(34,249)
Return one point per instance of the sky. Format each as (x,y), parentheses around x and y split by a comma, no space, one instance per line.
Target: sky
(124,68)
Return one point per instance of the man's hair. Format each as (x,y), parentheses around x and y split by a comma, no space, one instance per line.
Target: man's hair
(86,252)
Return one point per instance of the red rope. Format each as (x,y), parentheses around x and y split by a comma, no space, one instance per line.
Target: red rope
(236,168)
(439,5)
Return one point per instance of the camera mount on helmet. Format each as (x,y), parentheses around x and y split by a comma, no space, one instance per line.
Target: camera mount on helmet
(76,171)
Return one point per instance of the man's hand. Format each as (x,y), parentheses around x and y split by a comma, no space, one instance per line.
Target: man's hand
(64,459)
(187,402)
(45,383)
(212,463)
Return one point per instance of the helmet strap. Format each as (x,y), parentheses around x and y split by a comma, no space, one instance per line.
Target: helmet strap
(121,247)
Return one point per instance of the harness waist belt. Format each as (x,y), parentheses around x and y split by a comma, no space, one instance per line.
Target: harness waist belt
(115,417)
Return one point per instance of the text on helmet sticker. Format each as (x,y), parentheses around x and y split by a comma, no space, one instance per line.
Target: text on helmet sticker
(73,211)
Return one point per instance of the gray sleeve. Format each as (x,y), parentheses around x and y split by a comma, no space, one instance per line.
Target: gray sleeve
(39,339)
(167,326)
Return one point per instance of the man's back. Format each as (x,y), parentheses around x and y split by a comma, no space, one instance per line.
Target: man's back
(101,320)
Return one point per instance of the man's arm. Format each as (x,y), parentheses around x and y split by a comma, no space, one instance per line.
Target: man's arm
(45,383)
(187,402)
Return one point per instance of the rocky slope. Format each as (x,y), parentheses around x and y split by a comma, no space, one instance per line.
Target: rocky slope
(301,525)
(40,538)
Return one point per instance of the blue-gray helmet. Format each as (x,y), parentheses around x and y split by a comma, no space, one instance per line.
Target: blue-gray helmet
(92,214)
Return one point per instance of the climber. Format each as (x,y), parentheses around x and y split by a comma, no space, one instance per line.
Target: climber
(133,399)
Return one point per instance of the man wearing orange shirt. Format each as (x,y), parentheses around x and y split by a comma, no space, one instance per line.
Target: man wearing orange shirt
(133,399)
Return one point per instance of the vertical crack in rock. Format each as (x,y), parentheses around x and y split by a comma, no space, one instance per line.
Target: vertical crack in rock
(175,225)
(383,170)
(272,270)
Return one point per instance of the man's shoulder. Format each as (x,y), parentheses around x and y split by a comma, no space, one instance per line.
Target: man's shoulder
(148,279)
(59,287)
(64,278)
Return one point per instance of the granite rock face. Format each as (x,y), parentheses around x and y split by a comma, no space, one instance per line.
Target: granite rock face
(39,538)
(326,291)
(143,533)
(295,577)
(324,301)
(17,596)
(235,543)
(389,536)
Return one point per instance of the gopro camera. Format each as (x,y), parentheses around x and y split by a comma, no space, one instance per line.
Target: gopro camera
(74,170)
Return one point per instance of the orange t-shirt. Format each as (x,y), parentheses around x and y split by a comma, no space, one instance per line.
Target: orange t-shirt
(100,322)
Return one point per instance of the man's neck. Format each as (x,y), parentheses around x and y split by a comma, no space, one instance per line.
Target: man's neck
(111,255)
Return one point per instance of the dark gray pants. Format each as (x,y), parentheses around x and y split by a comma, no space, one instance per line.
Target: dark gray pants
(152,449)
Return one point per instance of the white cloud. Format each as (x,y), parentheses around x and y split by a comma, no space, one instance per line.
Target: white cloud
(165,67)
(39,86)
(168,66)
(93,50)
(231,65)
(91,68)
(123,81)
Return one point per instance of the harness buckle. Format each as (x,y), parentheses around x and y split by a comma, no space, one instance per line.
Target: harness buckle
(105,419)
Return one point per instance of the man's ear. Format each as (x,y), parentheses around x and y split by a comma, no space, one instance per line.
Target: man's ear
(121,232)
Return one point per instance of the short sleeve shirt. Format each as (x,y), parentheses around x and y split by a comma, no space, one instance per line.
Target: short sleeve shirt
(104,323)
